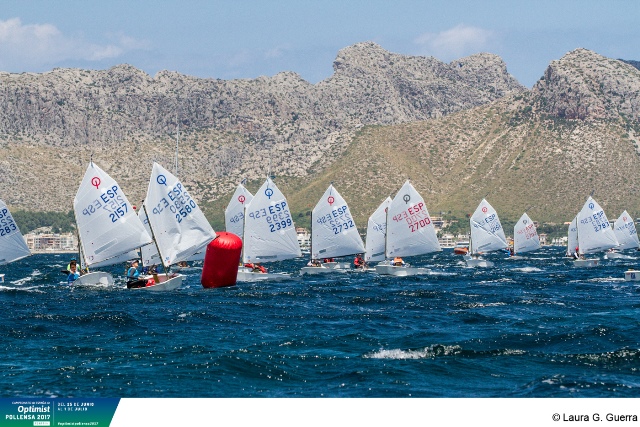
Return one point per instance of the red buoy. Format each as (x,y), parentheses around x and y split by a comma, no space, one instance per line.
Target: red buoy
(221,260)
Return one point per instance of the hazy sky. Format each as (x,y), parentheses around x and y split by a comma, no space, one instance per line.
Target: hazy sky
(249,38)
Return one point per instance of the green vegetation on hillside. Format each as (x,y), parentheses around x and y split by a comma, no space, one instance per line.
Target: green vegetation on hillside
(58,221)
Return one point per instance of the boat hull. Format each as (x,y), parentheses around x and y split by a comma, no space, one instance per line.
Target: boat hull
(616,255)
(632,275)
(400,271)
(95,278)
(246,275)
(322,270)
(585,263)
(163,282)
(477,262)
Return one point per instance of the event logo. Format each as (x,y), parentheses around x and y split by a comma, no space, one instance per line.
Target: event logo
(95,181)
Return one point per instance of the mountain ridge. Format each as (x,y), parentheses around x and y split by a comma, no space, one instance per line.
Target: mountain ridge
(461,131)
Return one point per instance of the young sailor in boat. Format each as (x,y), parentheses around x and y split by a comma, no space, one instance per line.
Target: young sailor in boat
(256,268)
(133,276)
(358,261)
(314,263)
(576,254)
(73,272)
(398,262)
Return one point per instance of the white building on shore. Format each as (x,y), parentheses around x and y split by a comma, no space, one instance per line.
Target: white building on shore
(43,240)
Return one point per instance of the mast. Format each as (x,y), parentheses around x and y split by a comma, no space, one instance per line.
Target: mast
(386,230)
(175,167)
(144,206)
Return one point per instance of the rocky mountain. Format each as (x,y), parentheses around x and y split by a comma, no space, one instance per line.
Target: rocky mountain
(460,131)
(542,151)
(229,129)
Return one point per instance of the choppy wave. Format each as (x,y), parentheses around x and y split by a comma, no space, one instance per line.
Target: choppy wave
(524,328)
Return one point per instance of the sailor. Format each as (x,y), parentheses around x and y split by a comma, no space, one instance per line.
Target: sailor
(398,262)
(133,276)
(74,274)
(358,262)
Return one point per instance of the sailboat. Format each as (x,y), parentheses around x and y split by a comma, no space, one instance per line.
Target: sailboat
(333,233)
(410,232)
(269,233)
(109,231)
(625,230)
(572,238)
(12,244)
(525,236)
(178,227)
(377,233)
(234,213)
(487,235)
(595,233)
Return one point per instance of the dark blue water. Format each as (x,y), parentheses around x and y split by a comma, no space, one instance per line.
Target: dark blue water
(535,327)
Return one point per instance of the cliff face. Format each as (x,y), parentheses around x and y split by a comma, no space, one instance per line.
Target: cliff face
(229,129)
(584,85)
(461,131)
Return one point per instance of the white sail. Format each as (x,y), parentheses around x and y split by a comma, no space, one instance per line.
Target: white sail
(487,233)
(179,226)
(572,237)
(148,253)
(333,231)
(595,233)
(107,224)
(234,213)
(377,232)
(625,230)
(12,244)
(269,231)
(525,235)
(409,227)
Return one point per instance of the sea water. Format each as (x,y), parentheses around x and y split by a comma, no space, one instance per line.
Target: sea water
(531,327)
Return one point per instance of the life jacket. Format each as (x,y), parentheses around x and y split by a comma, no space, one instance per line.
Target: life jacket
(261,268)
(249,265)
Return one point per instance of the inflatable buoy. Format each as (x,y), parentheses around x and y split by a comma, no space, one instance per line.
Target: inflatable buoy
(220,266)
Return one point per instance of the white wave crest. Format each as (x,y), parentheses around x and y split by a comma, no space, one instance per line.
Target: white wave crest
(426,353)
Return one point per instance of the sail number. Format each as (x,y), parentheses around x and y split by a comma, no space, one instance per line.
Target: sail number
(597,220)
(277,216)
(7,225)
(339,219)
(237,217)
(110,201)
(178,201)
(529,231)
(415,216)
(627,227)
(493,224)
